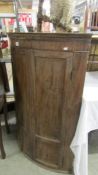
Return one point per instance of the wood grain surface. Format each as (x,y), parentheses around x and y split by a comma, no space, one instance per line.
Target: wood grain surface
(49,72)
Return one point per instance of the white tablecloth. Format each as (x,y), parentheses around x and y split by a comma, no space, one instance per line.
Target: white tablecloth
(88,121)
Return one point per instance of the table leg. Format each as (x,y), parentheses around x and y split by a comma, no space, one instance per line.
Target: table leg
(3,155)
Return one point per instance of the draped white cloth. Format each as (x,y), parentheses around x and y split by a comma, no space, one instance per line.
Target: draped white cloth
(88,121)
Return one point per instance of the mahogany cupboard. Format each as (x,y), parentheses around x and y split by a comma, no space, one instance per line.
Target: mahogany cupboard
(49,71)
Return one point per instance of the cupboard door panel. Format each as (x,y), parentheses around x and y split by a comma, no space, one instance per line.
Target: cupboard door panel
(49,94)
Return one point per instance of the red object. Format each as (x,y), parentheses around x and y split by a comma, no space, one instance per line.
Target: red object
(4,44)
(27,18)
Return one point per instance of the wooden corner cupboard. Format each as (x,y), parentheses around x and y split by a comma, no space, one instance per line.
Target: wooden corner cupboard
(49,71)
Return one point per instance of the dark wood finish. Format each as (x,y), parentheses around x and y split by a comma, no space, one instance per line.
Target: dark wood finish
(48,84)
(3,155)
(4,87)
(40,16)
(93,57)
(5,111)
(5,84)
(1,105)
(8,105)
(1,55)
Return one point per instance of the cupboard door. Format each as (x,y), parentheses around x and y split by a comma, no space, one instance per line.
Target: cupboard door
(51,71)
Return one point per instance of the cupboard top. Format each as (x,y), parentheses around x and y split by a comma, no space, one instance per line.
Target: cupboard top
(37,36)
